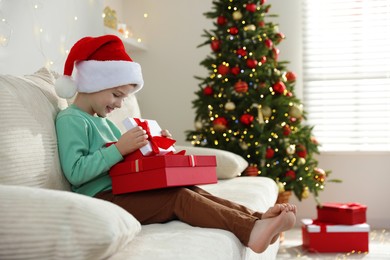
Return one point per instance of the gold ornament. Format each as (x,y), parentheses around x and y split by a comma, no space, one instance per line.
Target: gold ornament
(110,19)
(243,146)
(230,106)
(290,149)
(198,125)
(305,194)
(219,127)
(250,27)
(296,110)
(237,15)
(301,161)
(266,110)
(280,187)
(260,117)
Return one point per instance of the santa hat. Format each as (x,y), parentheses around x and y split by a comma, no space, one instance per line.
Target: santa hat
(101,63)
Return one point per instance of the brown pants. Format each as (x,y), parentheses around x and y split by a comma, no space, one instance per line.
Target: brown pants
(191,205)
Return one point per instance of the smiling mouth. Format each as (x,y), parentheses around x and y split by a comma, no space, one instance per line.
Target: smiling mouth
(110,109)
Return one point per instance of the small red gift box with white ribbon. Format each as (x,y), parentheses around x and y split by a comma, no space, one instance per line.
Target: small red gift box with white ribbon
(342,213)
(325,237)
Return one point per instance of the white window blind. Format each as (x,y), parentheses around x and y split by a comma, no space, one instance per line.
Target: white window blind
(346,73)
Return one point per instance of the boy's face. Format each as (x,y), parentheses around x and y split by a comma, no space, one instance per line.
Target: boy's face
(105,101)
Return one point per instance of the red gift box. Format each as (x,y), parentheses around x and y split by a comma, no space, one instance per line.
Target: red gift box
(157,172)
(342,213)
(322,237)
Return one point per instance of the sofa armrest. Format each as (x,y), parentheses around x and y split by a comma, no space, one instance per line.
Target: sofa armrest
(229,165)
(38,223)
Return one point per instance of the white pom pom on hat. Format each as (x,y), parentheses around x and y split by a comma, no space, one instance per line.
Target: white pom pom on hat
(101,63)
(65,87)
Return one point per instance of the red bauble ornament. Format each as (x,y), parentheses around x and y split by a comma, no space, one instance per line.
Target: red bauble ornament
(220,123)
(208,91)
(268,43)
(242,52)
(269,153)
(314,140)
(319,174)
(235,70)
(223,69)
(275,52)
(286,130)
(251,171)
(279,87)
(291,174)
(251,7)
(291,76)
(241,87)
(233,30)
(262,2)
(251,63)
(215,45)
(246,119)
(263,59)
(221,20)
(301,151)
(261,24)
(279,37)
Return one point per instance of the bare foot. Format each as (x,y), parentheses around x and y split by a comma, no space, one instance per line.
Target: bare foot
(266,229)
(275,211)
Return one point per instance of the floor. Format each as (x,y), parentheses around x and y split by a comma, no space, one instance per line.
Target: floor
(291,248)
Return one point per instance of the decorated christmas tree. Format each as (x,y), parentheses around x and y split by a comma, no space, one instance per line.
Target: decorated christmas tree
(247,104)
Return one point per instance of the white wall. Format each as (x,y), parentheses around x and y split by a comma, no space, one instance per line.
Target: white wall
(171,33)
(28,48)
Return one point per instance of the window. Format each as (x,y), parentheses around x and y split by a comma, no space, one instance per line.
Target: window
(346,73)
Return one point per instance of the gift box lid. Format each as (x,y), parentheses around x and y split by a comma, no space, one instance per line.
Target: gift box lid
(347,207)
(313,226)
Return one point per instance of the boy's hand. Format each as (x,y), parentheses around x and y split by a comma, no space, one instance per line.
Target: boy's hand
(166,133)
(132,140)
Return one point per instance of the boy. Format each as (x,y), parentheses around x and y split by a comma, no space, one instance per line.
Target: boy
(105,76)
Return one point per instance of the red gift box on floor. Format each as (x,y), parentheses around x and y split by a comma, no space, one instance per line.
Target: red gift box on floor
(321,237)
(342,213)
(156,172)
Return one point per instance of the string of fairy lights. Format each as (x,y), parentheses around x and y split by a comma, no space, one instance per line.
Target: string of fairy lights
(51,41)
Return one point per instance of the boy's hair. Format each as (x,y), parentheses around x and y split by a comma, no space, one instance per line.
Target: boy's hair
(101,63)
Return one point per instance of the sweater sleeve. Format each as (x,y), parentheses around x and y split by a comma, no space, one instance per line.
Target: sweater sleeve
(79,163)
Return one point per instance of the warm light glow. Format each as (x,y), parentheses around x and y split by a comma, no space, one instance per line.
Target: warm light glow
(3,40)
(146,15)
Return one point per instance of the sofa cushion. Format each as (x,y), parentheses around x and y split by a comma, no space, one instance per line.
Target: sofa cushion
(28,151)
(229,165)
(40,223)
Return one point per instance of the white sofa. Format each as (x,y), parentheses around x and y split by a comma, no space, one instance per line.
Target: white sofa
(41,219)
